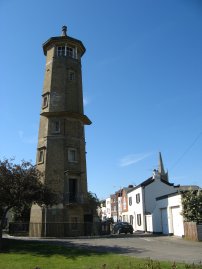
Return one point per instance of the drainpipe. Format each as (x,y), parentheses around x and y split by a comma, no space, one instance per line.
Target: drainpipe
(144,209)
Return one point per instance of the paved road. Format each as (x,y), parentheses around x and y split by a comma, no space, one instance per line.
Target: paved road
(139,245)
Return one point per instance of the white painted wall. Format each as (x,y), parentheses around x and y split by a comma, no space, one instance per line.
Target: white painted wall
(164,220)
(173,205)
(177,221)
(103,213)
(120,217)
(108,207)
(136,208)
(149,223)
(153,190)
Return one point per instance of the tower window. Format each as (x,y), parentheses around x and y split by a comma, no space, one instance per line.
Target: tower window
(72,190)
(55,126)
(61,51)
(72,155)
(67,51)
(71,75)
(40,156)
(45,101)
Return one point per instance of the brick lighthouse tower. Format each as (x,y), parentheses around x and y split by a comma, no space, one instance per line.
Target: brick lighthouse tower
(61,140)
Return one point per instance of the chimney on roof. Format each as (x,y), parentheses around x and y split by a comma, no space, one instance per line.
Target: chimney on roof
(64,30)
(156,175)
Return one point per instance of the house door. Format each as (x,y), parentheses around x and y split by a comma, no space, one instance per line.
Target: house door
(164,221)
(149,223)
(177,221)
(131,220)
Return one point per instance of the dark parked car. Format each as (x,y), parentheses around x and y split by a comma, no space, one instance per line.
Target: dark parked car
(122,227)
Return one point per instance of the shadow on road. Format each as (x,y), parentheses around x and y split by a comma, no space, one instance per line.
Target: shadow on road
(66,248)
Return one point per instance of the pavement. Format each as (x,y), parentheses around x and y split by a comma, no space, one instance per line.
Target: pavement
(140,245)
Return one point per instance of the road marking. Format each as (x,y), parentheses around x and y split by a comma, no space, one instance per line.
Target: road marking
(146,239)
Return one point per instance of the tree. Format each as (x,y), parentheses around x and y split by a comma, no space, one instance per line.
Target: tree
(192,205)
(21,214)
(93,202)
(20,187)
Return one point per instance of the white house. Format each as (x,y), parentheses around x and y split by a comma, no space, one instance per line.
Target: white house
(102,211)
(108,207)
(142,201)
(135,208)
(142,198)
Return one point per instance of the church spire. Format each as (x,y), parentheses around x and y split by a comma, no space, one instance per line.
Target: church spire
(161,170)
(161,167)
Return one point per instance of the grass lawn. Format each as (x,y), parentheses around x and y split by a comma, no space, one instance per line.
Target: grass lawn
(29,255)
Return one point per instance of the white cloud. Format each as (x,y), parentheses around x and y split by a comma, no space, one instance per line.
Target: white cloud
(133,158)
(85,101)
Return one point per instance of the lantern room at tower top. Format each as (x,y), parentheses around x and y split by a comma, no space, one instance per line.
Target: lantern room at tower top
(73,43)
(63,70)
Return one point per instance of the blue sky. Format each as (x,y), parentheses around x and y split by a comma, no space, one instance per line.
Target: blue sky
(142,84)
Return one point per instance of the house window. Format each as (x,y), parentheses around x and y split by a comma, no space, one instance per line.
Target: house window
(72,155)
(139,219)
(71,75)
(130,201)
(137,198)
(55,126)
(40,156)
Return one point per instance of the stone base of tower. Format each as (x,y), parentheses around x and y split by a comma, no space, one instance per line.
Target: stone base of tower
(61,221)
(36,225)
